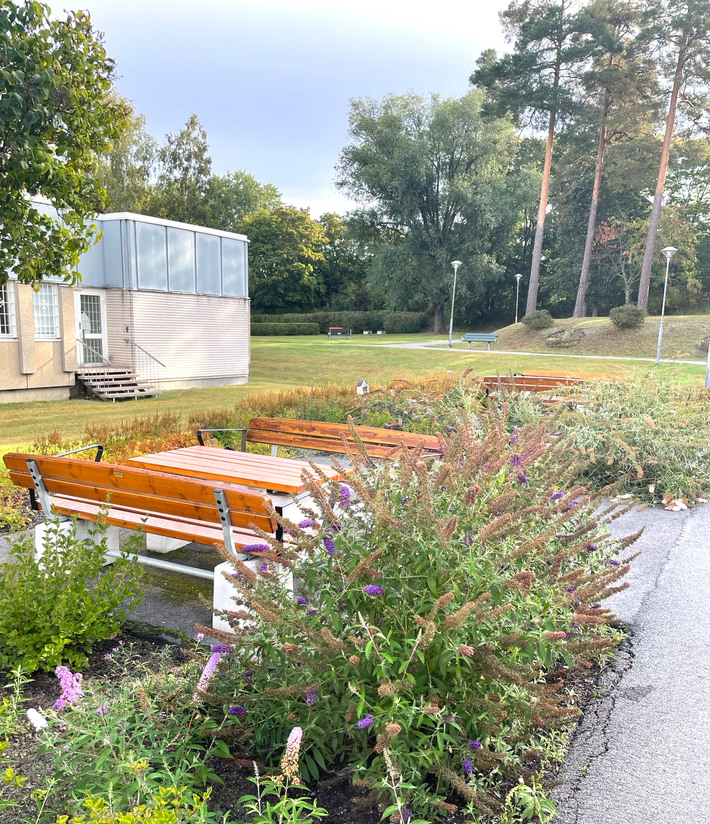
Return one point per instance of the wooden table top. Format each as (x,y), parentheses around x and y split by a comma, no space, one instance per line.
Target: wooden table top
(244,468)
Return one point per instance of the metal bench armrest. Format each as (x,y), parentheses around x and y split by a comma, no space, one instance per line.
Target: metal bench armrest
(201,441)
(97,446)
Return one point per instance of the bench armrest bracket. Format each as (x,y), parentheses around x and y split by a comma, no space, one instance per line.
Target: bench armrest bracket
(40,488)
(226,521)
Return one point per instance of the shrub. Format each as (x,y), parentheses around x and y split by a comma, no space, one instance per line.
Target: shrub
(539,319)
(404,322)
(54,609)
(627,317)
(434,600)
(357,321)
(284,329)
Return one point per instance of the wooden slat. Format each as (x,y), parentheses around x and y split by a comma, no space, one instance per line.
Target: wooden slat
(156,523)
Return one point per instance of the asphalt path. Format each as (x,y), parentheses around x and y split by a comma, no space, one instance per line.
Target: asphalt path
(641,754)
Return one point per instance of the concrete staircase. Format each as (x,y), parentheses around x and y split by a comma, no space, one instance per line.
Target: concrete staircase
(113,384)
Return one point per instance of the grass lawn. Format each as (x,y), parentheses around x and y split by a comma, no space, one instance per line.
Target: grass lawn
(280,363)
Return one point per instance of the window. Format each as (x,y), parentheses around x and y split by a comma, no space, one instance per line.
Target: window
(7,311)
(234,267)
(152,257)
(181,259)
(46,311)
(209,275)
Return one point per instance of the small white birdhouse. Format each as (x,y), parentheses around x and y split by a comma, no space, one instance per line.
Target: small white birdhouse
(363,387)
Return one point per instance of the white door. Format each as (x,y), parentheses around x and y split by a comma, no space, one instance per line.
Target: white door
(92,341)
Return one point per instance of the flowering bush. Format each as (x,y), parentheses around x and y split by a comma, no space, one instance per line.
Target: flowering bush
(433,618)
(627,317)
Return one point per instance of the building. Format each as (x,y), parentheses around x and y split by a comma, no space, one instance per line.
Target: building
(164,300)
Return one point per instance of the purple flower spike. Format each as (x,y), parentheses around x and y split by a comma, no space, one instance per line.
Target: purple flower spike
(522,477)
(256,548)
(224,648)
(238,711)
(556,496)
(571,589)
(306,523)
(70,685)
(301,601)
(372,589)
(366,722)
(474,745)
(592,547)
(612,562)
(516,461)
(311,698)
(329,546)
(344,497)
(467,766)
(264,568)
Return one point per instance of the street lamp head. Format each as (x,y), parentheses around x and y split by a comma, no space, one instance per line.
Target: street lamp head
(456,264)
(518,276)
(669,251)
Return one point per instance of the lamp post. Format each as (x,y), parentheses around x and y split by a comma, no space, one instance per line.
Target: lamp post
(668,251)
(517,295)
(455,264)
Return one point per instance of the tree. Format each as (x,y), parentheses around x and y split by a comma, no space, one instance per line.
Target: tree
(428,174)
(534,79)
(344,267)
(231,197)
(683,29)
(625,85)
(127,170)
(185,174)
(56,115)
(285,247)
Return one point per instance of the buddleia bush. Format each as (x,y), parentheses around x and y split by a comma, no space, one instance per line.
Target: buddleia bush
(438,606)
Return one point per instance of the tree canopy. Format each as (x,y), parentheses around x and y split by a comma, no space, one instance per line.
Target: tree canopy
(56,115)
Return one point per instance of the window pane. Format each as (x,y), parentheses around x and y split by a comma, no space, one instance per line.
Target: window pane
(152,257)
(181,259)
(7,311)
(233,267)
(46,312)
(208,273)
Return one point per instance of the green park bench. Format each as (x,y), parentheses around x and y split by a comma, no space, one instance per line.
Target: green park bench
(480,337)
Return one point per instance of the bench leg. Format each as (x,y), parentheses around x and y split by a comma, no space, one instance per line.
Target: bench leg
(489,346)
(224,591)
(162,544)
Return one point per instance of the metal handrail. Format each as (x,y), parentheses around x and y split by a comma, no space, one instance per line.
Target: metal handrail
(145,351)
(104,360)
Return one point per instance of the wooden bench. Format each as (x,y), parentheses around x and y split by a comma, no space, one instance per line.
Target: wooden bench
(330,437)
(339,332)
(542,381)
(480,337)
(158,503)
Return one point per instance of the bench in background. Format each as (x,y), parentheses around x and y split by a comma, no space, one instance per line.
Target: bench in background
(541,381)
(330,437)
(480,337)
(339,332)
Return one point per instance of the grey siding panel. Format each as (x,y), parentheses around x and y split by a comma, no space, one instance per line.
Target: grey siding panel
(199,338)
(118,317)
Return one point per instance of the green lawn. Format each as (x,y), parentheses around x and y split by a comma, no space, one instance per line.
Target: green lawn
(286,362)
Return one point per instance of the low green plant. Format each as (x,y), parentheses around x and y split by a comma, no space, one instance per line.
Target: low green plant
(129,738)
(8,778)
(53,609)
(629,316)
(527,802)
(539,319)
(436,602)
(168,805)
(10,705)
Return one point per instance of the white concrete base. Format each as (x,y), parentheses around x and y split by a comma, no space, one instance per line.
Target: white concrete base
(225,593)
(47,532)
(162,544)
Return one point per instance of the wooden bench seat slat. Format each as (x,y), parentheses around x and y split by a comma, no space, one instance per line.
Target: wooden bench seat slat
(156,523)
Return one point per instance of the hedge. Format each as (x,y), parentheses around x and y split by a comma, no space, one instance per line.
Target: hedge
(284,328)
(392,322)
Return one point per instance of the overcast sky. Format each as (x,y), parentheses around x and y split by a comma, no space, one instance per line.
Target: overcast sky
(271,80)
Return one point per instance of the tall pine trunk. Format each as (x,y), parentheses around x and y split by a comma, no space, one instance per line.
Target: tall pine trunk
(580,305)
(531,304)
(439,322)
(645,282)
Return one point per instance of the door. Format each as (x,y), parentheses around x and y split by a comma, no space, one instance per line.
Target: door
(92,342)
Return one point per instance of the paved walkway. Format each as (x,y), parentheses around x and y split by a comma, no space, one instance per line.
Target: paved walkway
(642,752)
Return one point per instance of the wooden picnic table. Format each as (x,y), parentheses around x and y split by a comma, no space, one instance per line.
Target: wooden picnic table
(243,468)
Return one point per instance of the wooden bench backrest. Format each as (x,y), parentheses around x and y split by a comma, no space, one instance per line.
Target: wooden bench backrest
(332,437)
(142,490)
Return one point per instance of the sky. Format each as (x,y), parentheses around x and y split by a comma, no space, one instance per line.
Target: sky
(271,80)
